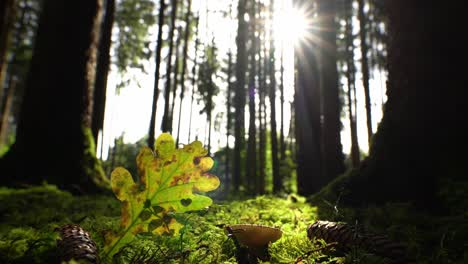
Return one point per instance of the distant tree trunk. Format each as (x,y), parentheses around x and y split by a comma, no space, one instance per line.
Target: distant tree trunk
(331,126)
(7,15)
(419,143)
(261,106)
(194,80)
(277,181)
(6,102)
(350,76)
(167,121)
(228,123)
(176,80)
(365,66)
(184,66)
(55,120)
(282,144)
(6,110)
(262,116)
(152,125)
(239,99)
(252,140)
(102,70)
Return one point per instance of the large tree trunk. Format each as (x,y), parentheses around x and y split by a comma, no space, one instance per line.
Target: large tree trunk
(239,98)
(307,103)
(419,142)
(103,66)
(53,140)
(331,127)
(152,125)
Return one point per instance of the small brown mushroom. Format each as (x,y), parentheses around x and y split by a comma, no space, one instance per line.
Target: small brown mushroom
(255,237)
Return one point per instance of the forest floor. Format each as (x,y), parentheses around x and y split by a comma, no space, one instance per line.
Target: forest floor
(28,218)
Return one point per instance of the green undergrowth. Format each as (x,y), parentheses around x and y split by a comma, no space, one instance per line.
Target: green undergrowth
(428,236)
(28,218)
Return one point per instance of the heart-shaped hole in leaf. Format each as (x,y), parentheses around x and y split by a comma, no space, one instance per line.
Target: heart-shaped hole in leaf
(186,202)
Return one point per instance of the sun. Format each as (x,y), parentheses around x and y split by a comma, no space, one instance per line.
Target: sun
(292,25)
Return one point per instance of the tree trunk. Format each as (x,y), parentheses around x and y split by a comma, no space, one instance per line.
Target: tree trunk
(6,110)
(6,102)
(365,66)
(7,16)
(331,126)
(282,144)
(228,124)
(252,140)
(103,66)
(194,78)
(55,120)
(239,99)
(277,181)
(307,103)
(419,143)
(350,76)
(167,121)
(152,125)
(176,80)
(184,66)
(261,106)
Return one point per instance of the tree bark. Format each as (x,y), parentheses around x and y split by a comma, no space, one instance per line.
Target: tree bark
(351,78)
(277,181)
(152,125)
(252,139)
(7,15)
(228,125)
(307,103)
(55,116)
(239,98)
(282,143)
(170,120)
(419,143)
(194,79)
(167,121)
(184,66)
(102,71)
(365,66)
(331,127)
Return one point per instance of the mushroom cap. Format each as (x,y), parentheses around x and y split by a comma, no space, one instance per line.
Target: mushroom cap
(254,236)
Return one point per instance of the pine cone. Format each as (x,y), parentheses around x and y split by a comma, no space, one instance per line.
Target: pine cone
(348,236)
(76,243)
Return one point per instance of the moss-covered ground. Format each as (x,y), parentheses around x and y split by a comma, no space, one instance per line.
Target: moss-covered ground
(29,216)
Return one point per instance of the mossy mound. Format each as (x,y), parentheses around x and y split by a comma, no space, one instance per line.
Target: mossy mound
(28,218)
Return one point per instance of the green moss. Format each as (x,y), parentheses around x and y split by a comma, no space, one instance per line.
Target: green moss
(29,216)
(91,164)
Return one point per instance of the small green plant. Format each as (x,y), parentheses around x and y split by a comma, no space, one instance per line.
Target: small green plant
(168,178)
